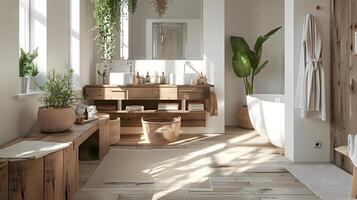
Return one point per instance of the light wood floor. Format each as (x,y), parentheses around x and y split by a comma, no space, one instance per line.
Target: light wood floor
(244,166)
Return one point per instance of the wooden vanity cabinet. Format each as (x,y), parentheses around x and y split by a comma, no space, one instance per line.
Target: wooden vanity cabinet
(150,96)
(147,92)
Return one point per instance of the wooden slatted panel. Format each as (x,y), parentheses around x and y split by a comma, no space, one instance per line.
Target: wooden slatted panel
(343,109)
(54,180)
(70,170)
(26,180)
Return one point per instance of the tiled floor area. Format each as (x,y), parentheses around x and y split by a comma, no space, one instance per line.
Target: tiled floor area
(244,166)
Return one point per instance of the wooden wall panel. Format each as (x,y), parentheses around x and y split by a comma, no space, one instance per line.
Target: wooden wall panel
(344,74)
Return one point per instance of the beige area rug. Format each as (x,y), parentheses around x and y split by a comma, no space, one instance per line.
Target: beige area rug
(140,169)
(138,140)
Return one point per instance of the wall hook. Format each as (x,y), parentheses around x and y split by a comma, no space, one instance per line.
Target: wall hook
(318,7)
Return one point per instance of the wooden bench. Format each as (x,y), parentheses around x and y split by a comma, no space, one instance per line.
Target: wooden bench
(53,176)
(344,151)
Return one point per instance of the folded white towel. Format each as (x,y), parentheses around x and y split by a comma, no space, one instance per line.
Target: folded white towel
(352,148)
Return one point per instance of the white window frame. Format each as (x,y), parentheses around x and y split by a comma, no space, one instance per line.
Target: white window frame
(74,40)
(28,34)
(33,33)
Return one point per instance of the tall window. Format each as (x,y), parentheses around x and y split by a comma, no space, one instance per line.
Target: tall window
(33,29)
(75,40)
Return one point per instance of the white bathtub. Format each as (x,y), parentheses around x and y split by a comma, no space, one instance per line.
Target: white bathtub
(267,114)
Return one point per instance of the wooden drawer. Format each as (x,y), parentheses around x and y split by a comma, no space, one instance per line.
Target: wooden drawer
(105,94)
(115,94)
(169,93)
(143,93)
(190,93)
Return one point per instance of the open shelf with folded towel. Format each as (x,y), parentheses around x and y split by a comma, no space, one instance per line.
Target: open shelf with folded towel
(193,103)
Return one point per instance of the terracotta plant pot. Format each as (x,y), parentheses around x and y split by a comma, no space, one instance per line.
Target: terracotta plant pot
(243,118)
(55,120)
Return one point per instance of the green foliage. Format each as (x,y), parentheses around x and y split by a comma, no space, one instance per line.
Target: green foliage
(58,90)
(246,62)
(132,4)
(106,16)
(27,65)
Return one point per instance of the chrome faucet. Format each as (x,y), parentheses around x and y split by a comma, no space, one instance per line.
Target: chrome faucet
(189,64)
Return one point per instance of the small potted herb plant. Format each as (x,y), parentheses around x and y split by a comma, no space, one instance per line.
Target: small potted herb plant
(28,70)
(58,98)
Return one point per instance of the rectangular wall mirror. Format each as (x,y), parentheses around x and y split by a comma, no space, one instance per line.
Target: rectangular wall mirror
(176,35)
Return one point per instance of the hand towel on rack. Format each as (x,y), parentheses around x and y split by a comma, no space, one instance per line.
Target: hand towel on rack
(214,104)
(310,92)
(352,148)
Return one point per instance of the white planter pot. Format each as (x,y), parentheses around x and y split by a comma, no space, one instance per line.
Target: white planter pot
(28,84)
(32,84)
(24,82)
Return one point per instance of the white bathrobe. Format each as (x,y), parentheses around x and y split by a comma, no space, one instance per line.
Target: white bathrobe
(310,96)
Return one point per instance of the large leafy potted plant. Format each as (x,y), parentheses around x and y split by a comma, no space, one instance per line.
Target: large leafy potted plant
(247,64)
(28,70)
(58,98)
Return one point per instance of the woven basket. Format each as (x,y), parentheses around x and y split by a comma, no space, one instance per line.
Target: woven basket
(161,130)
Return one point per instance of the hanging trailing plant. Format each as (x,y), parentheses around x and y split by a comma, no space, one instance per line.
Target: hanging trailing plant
(106,15)
(160,6)
(132,4)
(107,19)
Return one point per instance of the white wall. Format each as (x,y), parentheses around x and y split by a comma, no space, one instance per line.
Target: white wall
(59,38)
(19,115)
(213,39)
(87,67)
(249,19)
(57,35)
(302,133)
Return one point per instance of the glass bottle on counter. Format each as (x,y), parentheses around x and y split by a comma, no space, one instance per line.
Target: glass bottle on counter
(163,78)
(147,78)
(137,78)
